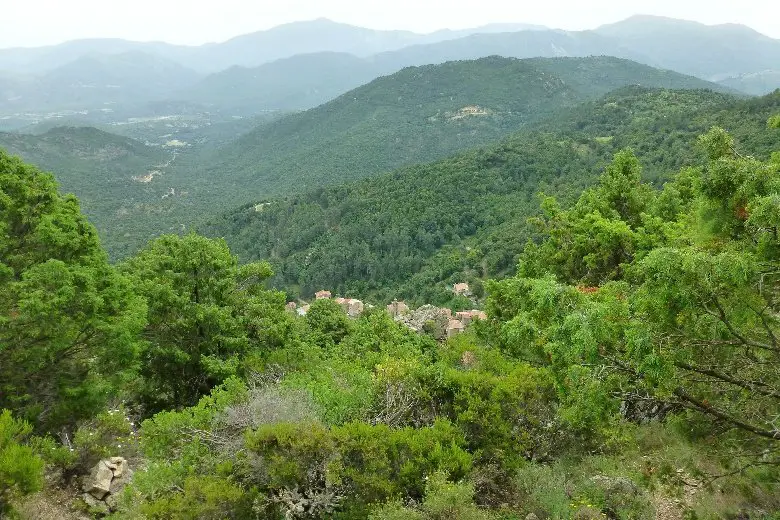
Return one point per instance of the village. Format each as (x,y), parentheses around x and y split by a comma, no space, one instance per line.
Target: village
(440,322)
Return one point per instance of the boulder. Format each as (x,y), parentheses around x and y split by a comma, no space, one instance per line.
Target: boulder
(99,482)
(107,479)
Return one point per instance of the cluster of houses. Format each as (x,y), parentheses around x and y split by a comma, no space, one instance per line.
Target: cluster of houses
(437,320)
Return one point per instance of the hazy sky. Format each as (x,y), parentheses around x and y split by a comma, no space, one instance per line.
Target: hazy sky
(42,22)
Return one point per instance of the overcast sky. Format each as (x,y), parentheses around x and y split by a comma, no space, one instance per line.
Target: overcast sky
(42,22)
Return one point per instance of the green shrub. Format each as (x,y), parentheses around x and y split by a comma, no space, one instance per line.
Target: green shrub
(21,469)
(368,463)
(444,500)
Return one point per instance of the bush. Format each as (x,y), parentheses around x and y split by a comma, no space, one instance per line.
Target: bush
(111,433)
(21,469)
(369,464)
(444,500)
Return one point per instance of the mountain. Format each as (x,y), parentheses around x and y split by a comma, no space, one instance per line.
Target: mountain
(295,83)
(98,82)
(408,233)
(710,52)
(417,115)
(755,83)
(248,50)
(109,173)
(298,66)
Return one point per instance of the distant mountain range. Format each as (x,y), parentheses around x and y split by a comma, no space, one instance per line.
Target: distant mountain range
(248,50)
(301,65)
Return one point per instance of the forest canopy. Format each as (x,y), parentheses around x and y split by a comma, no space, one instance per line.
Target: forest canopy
(631,359)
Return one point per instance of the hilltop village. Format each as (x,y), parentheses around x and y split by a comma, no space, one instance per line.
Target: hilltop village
(440,322)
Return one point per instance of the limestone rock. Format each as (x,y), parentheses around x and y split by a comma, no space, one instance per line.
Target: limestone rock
(120,466)
(99,482)
(107,479)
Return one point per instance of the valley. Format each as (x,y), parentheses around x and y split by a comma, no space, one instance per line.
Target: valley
(322,271)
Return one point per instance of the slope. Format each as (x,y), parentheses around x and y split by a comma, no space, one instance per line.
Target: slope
(99,82)
(296,83)
(107,173)
(409,232)
(710,52)
(755,83)
(417,115)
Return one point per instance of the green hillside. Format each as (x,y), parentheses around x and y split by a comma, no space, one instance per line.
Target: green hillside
(756,83)
(711,52)
(418,115)
(106,171)
(408,232)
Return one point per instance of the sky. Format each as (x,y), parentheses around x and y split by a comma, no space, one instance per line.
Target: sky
(29,23)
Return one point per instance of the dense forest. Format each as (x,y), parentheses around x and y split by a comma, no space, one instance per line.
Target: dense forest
(627,368)
(169,172)
(412,232)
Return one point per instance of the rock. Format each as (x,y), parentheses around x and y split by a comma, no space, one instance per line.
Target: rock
(531,516)
(107,479)
(120,466)
(99,482)
(119,483)
(112,502)
(619,486)
(95,505)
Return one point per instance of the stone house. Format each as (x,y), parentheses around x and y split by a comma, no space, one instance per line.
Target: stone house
(354,308)
(455,327)
(397,308)
(322,295)
(464,317)
(478,315)
(461,289)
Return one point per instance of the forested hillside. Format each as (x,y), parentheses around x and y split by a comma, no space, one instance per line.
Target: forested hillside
(410,232)
(111,175)
(417,115)
(626,370)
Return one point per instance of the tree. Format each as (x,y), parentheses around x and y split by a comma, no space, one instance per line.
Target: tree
(692,322)
(197,325)
(603,232)
(68,320)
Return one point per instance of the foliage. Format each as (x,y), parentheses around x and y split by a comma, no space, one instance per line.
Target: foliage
(196,328)
(443,500)
(410,233)
(21,469)
(68,320)
(682,316)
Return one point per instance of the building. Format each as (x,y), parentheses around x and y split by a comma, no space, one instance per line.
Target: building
(455,327)
(461,289)
(397,309)
(478,315)
(464,317)
(303,310)
(354,308)
(322,295)
(291,306)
